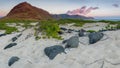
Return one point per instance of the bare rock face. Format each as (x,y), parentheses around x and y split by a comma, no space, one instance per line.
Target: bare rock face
(25,10)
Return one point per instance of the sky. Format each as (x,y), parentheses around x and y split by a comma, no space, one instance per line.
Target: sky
(93,8)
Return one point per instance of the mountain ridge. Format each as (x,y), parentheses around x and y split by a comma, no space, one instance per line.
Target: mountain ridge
(25,10)
(66,16)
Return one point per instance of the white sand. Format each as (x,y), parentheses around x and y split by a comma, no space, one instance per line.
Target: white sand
(103,54)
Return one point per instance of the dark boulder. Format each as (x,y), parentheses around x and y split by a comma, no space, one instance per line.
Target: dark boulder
(72,42)
(94,37)
(60,32)
(62,28)
(14,39)
(81,33)
(2,35)
(70,30)
(10,45)
(19,35)
(64,41)
(12,60)
(53,51)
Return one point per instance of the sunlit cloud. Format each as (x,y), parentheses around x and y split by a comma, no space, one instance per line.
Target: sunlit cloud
(82,11)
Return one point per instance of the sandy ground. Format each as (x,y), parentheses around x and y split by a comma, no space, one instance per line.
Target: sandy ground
(103,54)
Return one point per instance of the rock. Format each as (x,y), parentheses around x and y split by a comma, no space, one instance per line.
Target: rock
(102,30)
(64,41)
(94,37)
(81,33)
(12,60)
(70,30)
(28,36)
(53,51)
(2,35)
(72,42)
(60,32)
(19,35)
(62,28)
(14,39)
(10,45)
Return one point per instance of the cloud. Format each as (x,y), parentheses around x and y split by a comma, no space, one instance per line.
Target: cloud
(116,5)
(82,11)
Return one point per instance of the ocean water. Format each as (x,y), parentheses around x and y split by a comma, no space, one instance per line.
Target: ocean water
(113,18)
(107,19)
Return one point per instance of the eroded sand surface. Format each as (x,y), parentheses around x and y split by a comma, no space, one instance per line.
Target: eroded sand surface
(103,54)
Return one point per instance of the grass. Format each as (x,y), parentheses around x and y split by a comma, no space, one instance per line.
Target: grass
(78,22)
(8,29)
(110,22)
(91,31)
(50,28)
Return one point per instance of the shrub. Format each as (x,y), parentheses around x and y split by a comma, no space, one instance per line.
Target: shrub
(49,28)
(91,31)
(118,26)
(7,29)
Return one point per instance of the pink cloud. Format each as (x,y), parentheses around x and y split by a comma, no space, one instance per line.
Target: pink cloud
(82,11)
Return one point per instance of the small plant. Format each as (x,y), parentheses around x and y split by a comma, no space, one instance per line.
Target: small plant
(118,26)
(37,38)
(44,37)
(91,31)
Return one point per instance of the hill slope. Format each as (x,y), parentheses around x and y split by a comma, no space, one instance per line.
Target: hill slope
(25,10)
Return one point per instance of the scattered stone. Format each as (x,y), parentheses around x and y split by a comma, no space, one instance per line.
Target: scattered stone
(72,42)
(81,32)
(28,36)
(2,35)
(70,30)
(60,32)
(102,30)
(10,45)
(64,41)
(19,35)
(14,39)
(94,37)
(53,51)
(12,60)
(62,28)
(76,30)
